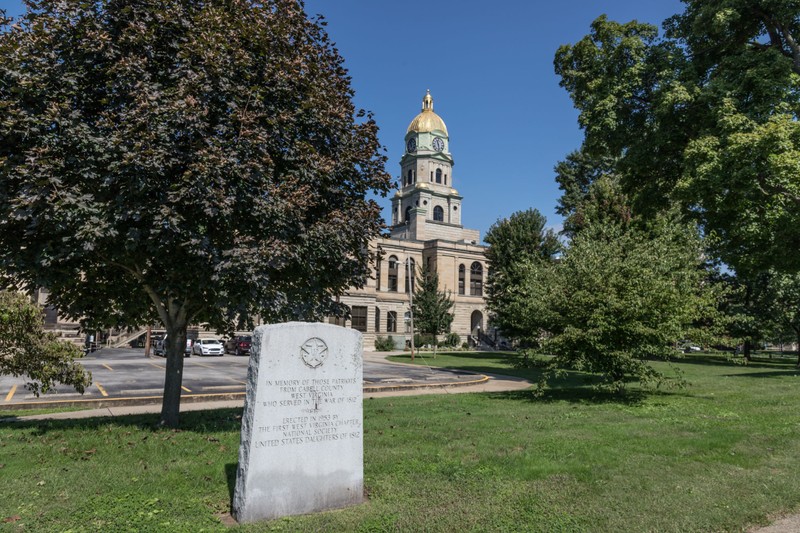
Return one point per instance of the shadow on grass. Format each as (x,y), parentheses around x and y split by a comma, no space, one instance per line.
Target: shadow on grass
(582,395)
(774,374)
(230,477)
(727,360)
(210,421)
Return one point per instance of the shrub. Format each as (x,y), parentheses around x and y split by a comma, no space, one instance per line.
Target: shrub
(384,344)
(421,339)
(452,339)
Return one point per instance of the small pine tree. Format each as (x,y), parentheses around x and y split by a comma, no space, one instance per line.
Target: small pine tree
(432,307)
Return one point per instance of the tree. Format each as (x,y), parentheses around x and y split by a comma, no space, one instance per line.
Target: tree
(27,350)
(513,241)
(575,177)
(747,306)
(784,298)
(183,162)
(617,298)
(432,308)
(705,115)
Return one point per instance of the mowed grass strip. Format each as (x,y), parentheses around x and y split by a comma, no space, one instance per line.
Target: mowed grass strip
(720,455)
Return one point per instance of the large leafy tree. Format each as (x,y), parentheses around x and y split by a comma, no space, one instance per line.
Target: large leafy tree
(182,161)
(27,350)
(705,115)
(784,298)
(521,238)
(619,297)
(575,176)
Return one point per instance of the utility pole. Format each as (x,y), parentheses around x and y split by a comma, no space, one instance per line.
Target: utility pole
(410,303)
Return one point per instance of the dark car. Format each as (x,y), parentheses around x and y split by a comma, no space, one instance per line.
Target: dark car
(238,345)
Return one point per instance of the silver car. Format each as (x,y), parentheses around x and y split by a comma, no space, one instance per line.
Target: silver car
(208,347)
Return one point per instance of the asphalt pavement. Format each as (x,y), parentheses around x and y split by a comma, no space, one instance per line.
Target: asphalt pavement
(127,382)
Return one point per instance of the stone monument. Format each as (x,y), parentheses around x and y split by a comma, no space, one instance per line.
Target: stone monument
(302,447)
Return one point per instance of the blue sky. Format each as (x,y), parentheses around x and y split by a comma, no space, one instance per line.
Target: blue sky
(489,66)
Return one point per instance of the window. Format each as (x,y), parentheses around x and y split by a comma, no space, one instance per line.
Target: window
(411,273)
(377,320)
(391,322)
(408,213)
(359,317)
(409,181)
(461,276)
(476,279)
(445,179)
(438,175)
(378,272)
(438,214)
(392,274)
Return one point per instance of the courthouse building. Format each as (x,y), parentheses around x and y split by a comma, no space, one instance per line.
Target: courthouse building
(425,231)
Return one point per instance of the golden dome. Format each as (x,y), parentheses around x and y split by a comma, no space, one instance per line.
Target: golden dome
(427,121)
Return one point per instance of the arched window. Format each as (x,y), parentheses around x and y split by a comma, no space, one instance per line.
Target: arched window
(438,175)
(391,322)
(392,274)
(410,179)
(445,179)
(377,320)
(408,213)
(438,214)
(476,279)
(461,276)
(411,274)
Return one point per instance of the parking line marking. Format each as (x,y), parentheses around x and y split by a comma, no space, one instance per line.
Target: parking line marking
(239,381)
(205,366)
(184,388)
(108,367)
(11,393)
(101,389)
(157,366)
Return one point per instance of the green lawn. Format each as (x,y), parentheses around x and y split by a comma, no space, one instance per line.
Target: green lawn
(719,455)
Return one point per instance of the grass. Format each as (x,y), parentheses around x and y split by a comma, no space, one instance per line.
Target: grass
(16,413)
(719,455)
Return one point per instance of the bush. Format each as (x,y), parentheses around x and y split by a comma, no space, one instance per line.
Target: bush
(384,344)
(452,339)
(423,339)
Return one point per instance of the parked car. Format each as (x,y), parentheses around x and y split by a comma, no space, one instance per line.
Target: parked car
(160,347)
(239,345)
(208,347)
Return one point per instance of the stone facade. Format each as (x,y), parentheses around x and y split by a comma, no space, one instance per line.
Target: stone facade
(426,230)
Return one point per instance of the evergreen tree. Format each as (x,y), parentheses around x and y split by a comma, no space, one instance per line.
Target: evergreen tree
(432,308)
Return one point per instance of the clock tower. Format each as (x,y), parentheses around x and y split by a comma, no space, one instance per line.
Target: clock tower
(427,206)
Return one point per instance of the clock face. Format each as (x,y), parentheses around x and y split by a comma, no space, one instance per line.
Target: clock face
(411,145)
(438,144)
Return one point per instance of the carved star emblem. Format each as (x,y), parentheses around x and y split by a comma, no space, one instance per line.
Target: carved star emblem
(314,351)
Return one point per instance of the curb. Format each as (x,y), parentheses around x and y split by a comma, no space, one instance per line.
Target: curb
(218,397)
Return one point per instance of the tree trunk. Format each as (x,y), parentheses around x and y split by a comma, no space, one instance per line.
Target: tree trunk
(173,377)
(747,351)
(798,348)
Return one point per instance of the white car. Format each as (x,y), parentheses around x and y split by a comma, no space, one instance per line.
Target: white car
(208,347)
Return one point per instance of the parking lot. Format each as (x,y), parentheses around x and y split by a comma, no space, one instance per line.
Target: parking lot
(119,374)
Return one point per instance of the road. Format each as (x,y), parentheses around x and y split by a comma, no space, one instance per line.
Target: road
(119,374)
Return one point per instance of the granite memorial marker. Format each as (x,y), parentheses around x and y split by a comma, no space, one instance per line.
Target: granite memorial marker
(301,448)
